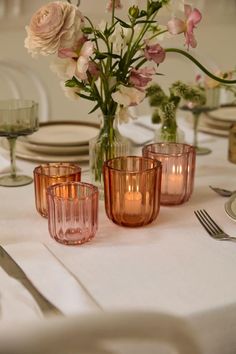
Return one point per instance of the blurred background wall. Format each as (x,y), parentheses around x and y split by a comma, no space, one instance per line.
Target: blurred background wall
(216,49)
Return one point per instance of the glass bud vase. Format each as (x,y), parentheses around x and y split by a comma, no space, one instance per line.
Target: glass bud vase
(166,133)
(109,143)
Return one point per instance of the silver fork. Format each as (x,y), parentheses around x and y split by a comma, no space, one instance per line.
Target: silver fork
(211,226)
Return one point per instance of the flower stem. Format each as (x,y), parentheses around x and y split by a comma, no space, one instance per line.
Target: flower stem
(195,61)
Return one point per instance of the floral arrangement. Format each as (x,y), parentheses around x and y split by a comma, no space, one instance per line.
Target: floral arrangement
(111,64)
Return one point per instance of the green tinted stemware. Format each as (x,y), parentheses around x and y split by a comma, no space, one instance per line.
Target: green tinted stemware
(17,117)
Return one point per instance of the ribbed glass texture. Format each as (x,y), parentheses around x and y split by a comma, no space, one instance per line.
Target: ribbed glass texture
(107,145)
(72,212)
(48,174)
(178,170)
(132,190)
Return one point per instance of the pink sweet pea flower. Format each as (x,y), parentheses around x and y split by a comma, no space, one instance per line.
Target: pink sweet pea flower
(192,18)
(94,70)
(81,55)
(67,53)
(141,77)
(154,52)
(117,5)
(83,60)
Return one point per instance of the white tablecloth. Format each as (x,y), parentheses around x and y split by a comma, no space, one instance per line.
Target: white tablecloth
(171,265)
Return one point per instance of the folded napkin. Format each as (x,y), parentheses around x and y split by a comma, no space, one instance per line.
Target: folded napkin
(16,303)
(51,278)
(138,133)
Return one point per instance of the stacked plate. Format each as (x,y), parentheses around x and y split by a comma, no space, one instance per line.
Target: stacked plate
(219,121)
(57,141)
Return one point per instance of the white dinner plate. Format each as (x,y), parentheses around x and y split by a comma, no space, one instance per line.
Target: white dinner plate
(53,150)
(206,128)
(25,154)
(230,207)
(216,124)
(224,114)
(64,133)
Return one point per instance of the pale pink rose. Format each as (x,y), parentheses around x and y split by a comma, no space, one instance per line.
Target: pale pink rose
(54,26)
(192,18)
(155,53)
(128,96)
(117,5)
(64,68)
(141,77)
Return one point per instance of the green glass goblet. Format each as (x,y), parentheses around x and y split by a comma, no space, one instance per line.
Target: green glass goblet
(196,113)
(18,117)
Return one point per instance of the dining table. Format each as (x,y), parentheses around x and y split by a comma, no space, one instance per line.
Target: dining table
(171,265)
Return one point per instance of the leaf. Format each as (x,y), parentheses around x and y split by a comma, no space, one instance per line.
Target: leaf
(122,23)
(94,108)
(74,83)
(100,56)
(87,97)
(144,21)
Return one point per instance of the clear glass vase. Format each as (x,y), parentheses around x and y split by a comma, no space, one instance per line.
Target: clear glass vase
(165,134)
(109,143)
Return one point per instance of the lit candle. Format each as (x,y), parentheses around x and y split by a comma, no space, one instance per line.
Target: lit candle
(133,202)
(173,183)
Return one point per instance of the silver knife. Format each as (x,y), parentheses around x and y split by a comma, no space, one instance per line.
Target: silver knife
(15,271)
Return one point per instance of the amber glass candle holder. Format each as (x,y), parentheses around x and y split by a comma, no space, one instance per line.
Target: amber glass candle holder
(72,212)
(178,170)
(48,174)
(132,190)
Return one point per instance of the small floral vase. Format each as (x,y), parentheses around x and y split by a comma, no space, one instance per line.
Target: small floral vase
(169,132)
(109,143)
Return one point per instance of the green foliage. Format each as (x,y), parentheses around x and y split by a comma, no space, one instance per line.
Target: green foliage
(166,105)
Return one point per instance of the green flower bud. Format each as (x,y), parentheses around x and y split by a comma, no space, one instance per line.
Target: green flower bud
(134,11)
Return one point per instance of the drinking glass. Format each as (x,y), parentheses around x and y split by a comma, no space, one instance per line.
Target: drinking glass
(17,117)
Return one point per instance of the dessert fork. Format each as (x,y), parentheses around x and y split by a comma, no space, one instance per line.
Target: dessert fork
(211,226)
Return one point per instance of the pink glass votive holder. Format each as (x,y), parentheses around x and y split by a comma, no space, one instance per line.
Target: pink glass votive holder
(48,174)
(178,169)
(132,188)
(72,212)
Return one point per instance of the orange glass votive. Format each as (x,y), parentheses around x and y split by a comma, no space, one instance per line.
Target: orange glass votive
(72,212)
(178,170)
(132,190)
(48,174)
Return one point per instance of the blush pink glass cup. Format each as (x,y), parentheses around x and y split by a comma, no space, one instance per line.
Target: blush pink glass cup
(72,212)
(178,169)
(48,174)
(132,190)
